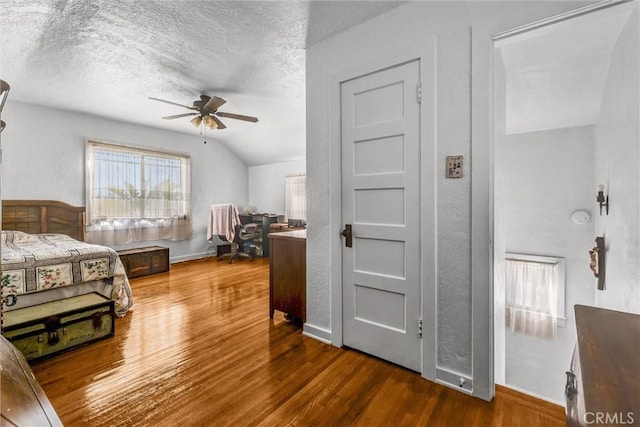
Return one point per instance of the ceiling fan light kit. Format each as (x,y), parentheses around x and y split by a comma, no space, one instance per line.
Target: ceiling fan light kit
(208,122)
(196,121)
(206,112)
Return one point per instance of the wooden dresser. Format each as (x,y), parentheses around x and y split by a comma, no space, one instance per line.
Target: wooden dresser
(288,274)
(22,401)
(603,384)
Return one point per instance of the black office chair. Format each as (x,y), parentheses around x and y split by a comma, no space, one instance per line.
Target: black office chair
(243,240)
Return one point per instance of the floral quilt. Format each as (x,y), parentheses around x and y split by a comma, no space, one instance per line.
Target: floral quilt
(37,262)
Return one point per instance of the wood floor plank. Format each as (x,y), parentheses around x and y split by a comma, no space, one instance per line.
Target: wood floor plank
(199,349)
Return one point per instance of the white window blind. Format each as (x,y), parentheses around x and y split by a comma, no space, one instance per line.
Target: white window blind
(295,206)
(136,194)
(534,294)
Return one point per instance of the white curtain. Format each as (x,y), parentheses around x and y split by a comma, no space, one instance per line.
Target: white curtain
(531,297)
(135,194)
(295,205)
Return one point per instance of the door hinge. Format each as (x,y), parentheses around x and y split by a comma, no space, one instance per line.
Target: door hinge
(419,328)
(419,93)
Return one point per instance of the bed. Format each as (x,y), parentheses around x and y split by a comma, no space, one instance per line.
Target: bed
(44,257)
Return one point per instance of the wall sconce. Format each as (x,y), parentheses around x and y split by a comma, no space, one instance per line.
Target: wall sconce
(602,199)
(4,92)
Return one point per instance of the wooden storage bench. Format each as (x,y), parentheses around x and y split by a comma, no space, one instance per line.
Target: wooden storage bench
(140,262)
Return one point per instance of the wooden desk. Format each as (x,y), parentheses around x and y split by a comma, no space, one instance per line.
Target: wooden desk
(288,274)
(264,222)
(604,380)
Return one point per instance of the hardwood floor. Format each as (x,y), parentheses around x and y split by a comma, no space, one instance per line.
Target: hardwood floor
(198,349)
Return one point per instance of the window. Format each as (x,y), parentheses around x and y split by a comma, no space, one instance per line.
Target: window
(136,194)
(295,205)
(534,294)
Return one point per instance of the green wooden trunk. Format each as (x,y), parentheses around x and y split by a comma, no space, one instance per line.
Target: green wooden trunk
(47,329)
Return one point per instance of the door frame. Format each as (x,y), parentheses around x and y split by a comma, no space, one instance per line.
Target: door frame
(500,32)
(484,34)
(427,193)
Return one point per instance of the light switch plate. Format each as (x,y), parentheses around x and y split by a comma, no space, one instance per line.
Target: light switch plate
(453,168)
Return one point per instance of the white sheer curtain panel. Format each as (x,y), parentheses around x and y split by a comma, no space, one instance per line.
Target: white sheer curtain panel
(531,297)
(135,194)
(295,205)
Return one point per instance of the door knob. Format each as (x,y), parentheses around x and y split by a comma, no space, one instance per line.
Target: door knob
(348,241)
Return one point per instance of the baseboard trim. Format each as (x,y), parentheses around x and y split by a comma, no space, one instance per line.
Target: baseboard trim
(454,380)
(190,257)
(316,333)
(532,394)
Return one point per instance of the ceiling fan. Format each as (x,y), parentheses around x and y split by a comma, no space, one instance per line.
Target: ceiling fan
(206,111)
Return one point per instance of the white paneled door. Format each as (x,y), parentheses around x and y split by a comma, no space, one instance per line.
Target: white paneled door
(381,205)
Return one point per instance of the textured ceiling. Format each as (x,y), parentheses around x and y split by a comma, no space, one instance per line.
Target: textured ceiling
(107,57)
(555,76)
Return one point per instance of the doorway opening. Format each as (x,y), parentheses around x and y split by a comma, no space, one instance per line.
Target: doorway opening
(565,122)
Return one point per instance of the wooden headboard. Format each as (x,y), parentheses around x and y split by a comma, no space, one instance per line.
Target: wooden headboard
(43,216)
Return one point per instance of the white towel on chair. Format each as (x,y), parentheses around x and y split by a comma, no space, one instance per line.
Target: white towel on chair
(223,219)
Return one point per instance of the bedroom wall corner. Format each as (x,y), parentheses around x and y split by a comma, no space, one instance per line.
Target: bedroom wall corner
(46,161)
(267,184)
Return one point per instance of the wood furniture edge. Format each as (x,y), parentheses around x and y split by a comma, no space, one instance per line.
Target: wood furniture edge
(144,252)
(293,234)
(283,242)
(45,219)
(600,347)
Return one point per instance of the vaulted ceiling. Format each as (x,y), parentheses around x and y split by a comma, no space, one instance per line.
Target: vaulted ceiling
(556,75)
(107,57)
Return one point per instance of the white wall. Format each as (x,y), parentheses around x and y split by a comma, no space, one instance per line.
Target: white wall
(43,157)
(440,34)
(617,167)
(266,185)
(545,176)
(453,202)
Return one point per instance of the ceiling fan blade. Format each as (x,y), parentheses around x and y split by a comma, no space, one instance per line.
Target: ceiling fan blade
(173,103)
(219,124)
(214,103)
(238,117)
(179,115)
